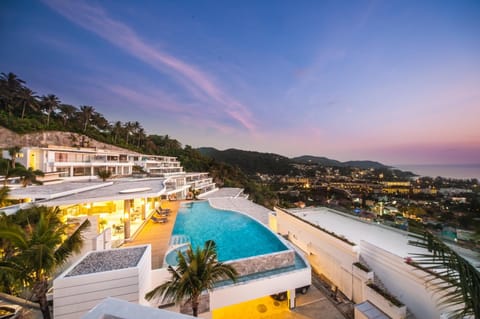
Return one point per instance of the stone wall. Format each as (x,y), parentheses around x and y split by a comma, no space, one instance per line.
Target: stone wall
(262,263)
(43,139)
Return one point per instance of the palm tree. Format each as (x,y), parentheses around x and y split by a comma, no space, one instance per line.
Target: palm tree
(456,282)
(10,85)
(104,174)
(117,130)
(141,136)
(99,122)
(67,112)
(199,270)
(38,249)
(28,175)
(13,151)
(27,98)
(128,127)
(86,113)
(50,103)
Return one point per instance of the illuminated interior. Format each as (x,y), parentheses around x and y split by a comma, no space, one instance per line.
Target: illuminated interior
(115,215)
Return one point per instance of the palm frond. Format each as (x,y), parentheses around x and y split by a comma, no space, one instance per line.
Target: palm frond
(72,244)
(454,281)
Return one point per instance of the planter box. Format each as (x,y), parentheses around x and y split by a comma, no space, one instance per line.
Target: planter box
(395,312)
(363,275)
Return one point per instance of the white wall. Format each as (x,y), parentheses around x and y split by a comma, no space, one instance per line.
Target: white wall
(405,282)
(329,256)
(74,296)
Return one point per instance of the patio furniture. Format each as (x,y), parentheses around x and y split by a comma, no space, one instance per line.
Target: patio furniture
(156,219)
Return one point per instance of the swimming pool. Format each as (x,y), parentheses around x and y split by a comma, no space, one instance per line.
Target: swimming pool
(236,235)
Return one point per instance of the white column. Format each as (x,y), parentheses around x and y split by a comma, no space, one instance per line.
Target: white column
(291,299)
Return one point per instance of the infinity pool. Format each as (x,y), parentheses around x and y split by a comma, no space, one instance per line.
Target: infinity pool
(236,235)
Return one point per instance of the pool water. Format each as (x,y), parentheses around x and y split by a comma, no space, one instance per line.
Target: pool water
(236,235)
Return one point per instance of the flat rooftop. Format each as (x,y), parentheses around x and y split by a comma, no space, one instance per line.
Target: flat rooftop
(356,230)
(242,205)
(231,192)
(53,190)
(74,192)
(107,260)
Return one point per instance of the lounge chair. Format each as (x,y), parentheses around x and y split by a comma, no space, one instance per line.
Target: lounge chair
(164,209)
(164,212)
(156,219)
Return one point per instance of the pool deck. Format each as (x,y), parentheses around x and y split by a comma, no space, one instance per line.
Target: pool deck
(157,234)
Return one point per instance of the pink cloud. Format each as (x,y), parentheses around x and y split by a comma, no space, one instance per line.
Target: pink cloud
(96,20)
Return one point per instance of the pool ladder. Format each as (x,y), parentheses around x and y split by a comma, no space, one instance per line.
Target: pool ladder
(179,240)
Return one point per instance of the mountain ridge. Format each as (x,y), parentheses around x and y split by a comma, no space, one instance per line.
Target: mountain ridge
(259,162)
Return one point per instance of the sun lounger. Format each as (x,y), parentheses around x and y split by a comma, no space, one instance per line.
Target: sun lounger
(156,219)
(164,209)
(164,212)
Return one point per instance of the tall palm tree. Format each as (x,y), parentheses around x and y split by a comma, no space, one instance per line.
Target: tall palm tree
(50,103)
(140,135)
(67,112)
(128,127)
(38,249)
(27,98)
(99,122)
(10,86)
(13,151)
(86,113)
(199,270)
(456,282)
(117,130)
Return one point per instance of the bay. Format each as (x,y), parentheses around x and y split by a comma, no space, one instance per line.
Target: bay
(458,171)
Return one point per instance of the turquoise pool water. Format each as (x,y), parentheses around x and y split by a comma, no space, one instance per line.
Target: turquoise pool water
(236,235)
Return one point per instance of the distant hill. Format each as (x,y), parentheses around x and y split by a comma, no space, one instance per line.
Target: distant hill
(251,162)
(309,159)
(269,163)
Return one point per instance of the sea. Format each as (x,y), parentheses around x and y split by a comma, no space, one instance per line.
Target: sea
(463,171)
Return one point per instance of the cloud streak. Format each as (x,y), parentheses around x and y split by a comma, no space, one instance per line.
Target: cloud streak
(198,83)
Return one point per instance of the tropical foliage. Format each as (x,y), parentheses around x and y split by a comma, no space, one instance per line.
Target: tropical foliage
(198,270)
(456,282)
(34,242)
(104,174)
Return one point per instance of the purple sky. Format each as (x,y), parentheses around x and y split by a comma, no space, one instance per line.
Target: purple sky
(392,81)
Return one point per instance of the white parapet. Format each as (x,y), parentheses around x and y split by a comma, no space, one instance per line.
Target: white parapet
(121,273)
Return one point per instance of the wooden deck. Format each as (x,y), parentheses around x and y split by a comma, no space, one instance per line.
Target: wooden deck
(157,235)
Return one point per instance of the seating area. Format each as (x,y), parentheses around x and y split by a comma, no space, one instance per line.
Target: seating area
(158,219)
(160,215)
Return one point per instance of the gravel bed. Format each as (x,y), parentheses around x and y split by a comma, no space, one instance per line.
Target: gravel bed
(108,260)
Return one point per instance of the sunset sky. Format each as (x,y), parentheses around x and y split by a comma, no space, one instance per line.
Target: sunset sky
(392,81)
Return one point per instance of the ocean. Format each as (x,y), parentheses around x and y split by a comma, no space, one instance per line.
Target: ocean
(464,171)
